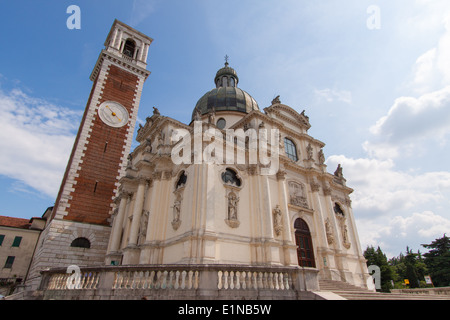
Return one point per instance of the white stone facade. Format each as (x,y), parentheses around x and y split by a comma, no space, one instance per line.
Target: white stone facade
(204,220)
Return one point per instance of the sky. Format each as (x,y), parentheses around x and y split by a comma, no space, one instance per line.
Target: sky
(372,75)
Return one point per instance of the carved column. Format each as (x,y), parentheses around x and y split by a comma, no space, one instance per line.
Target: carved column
(131,252)
(116,233)
(289,247)
(137,213)
(320,216)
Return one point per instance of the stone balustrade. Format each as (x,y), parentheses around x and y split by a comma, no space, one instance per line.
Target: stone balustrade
(179,281)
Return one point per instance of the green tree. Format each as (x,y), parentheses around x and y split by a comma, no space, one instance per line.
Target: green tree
(411,269)
(378,258)
(409,266)
(438,261)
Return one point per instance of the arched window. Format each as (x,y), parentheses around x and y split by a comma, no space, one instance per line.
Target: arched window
(291,149)
(81,243)
(230,177)
(129,48)
(182,180)
(305,252)
(338,210)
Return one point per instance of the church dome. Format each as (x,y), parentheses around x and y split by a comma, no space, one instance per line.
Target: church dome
(226,96)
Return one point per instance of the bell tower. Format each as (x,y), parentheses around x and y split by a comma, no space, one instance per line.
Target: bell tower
(99,156)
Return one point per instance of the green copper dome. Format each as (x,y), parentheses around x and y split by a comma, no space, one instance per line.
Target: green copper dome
(226,96)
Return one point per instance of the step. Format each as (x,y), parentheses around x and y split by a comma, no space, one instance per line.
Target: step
(350,292)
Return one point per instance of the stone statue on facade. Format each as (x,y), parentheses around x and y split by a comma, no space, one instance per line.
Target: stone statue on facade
(277,220)
(232,213)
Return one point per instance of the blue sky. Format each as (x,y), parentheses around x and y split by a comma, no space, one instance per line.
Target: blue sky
(379,98)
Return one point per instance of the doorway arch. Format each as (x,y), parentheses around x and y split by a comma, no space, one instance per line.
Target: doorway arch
(303,240)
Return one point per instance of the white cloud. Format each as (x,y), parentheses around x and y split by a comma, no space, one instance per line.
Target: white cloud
(36,138)
(382,190)
(394,233)
(410,124)
(432,69)
(330,95)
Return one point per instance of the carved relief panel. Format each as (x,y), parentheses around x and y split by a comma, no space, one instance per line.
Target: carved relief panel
(297,194)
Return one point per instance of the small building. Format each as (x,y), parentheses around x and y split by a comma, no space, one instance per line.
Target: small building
(18,239)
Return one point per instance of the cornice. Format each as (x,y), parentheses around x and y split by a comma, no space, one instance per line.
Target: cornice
(131,67)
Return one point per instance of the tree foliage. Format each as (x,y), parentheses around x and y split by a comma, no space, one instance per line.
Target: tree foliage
(413,266)
(437,260)
(378,258)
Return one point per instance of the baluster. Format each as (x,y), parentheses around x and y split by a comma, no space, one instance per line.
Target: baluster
(177,276)
(281,281)
(121,280)
(116,280)
(277,284)
(151,279)
(183,279)
(250,280)
(232,280)
(164,282)
(171,279)
(254,280)
(144,280)
(190,274)
(270,280)
(219,279)
(244,280)
(83,280)
(226,280)
(87,283)
(289,283)
(158,280)
(196,280)
(238,278)
(260,281)
(126,284)
(97,280)
(56,281)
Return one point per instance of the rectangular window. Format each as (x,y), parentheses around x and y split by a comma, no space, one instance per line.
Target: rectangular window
(9,262)
(2,237)
(17,241)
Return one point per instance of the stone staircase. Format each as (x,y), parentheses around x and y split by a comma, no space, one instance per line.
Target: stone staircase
(344,291)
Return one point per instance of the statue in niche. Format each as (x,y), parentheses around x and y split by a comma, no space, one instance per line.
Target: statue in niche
(148,146)
(345,241)
(160,138)
(143,226)
(309,151)
(130,161)
(176,222)
(329,232)
(277,220)
(232,213)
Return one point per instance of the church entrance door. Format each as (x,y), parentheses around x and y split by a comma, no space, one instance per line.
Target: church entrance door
(305,252)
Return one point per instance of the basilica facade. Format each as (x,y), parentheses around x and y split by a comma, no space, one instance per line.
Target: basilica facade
(185,200)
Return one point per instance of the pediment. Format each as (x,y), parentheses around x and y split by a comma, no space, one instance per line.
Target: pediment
(286,113)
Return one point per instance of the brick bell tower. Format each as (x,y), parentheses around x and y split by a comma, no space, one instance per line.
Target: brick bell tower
(78,229)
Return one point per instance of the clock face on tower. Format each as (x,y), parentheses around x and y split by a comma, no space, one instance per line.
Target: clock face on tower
(113,114)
